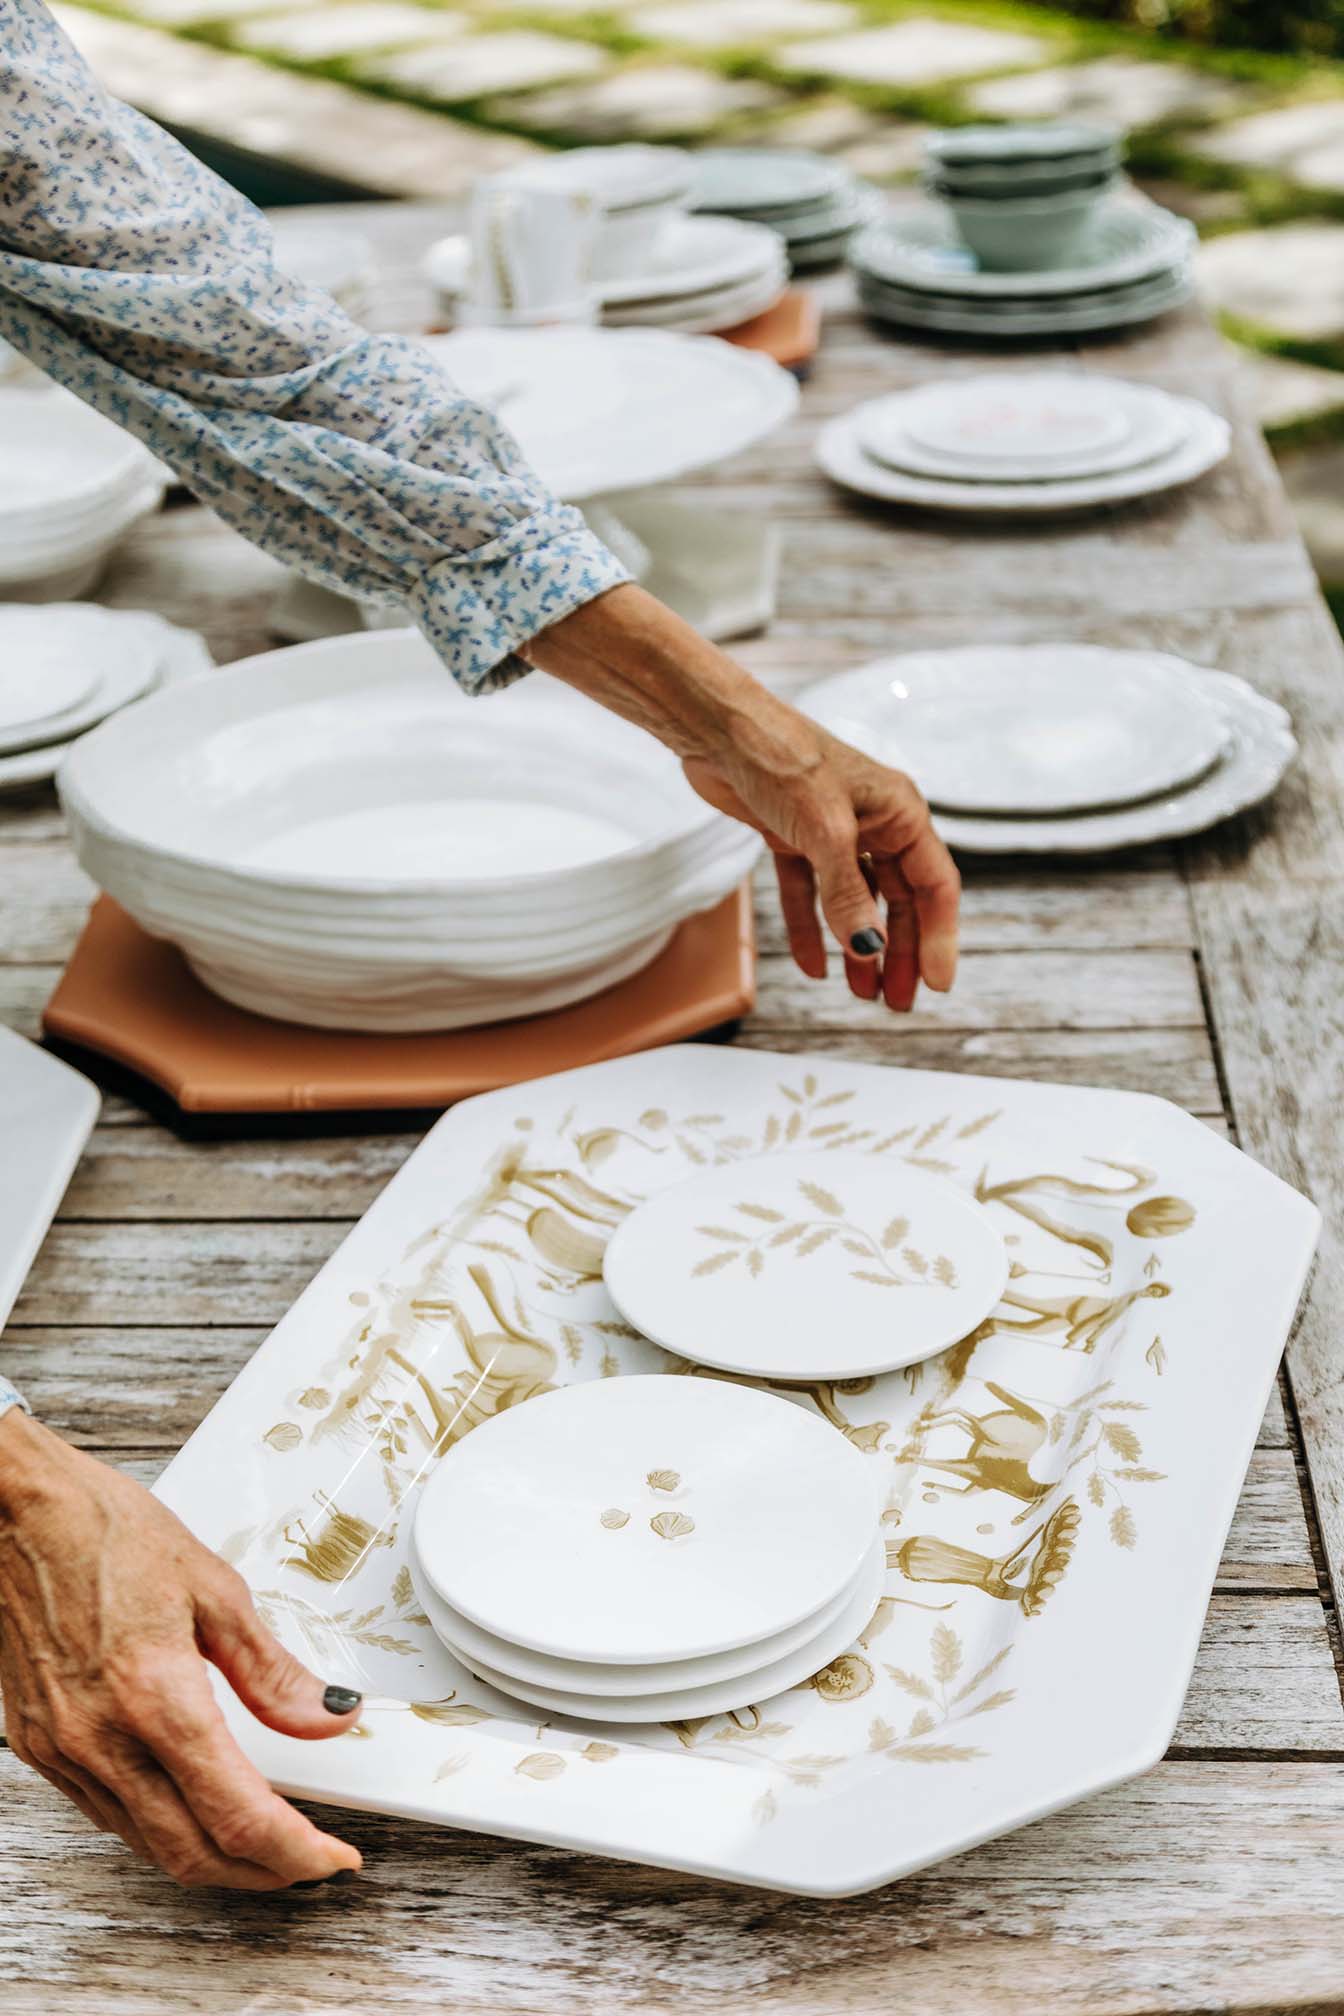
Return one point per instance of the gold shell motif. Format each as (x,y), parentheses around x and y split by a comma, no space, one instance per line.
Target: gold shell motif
(671,1525)
(663,1480)
(613,1518)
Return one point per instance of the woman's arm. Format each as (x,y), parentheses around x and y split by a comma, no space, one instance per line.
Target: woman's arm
(137,278)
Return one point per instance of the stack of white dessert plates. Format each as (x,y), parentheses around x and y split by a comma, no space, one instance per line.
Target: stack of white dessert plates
(64,667)
(601,410)
(700,274)
(1017,443)
(814,203)
(71,486)
(336,836)
(1062,748)
(1135,262)
(649,1548)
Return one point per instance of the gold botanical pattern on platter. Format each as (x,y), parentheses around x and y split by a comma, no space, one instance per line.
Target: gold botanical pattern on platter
(663,1480)
(672,1525)
(1026,1575)
(942,1704)
(542,1765)
(338,1548)
(845,1679)
(613,1519)
(889,1260)
(1160,1218)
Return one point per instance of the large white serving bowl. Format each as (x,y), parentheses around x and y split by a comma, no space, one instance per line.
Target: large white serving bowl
(335,835)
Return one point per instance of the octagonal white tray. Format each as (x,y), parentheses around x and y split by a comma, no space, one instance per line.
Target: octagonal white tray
(1058,1486)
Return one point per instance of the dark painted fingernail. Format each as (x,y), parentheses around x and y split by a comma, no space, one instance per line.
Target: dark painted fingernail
(867,943)
(320,1882)
(341,1700)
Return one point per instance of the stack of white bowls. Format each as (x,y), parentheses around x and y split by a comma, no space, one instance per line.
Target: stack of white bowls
(71,487)
(336,836)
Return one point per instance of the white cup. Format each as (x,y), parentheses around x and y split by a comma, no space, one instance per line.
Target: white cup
(531,253)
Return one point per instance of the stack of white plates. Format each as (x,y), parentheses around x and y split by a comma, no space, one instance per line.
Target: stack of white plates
(71,486)
(1016,443)
(650,1548)
(64,667)
(1134,262)
(814,203)
(335,835)
(701,274)
(1062,748)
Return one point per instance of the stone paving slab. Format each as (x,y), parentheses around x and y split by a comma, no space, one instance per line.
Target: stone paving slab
(1303,142)
(1314,480)
(515,60)
(317,33)
(645,102)
(733,24)
(1288,278)
(918,51)
(392,150)
(1284,391)
(1119,89)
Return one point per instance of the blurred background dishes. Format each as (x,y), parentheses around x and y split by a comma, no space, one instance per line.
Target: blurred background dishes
(72,485)
(1018,444)
(96,660)
(812,202)
(1088,254)
(638,190)
(335,835)
(340,263)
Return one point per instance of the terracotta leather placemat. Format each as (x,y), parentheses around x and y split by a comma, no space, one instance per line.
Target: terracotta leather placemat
(132,999)
(790,332)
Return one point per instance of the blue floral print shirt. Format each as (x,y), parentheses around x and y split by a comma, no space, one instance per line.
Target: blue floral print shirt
(137,278)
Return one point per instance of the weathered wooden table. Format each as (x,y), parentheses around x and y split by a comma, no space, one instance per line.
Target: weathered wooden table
(1210,974)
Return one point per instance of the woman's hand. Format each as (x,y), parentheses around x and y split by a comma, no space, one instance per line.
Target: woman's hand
(843,829)
(109,1610)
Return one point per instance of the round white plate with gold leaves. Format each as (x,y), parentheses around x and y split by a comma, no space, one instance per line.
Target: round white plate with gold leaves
(812,1265)
(721,1697)
(517,1664)
(645,1519)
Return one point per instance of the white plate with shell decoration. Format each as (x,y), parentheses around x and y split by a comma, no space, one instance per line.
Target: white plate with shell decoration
(1055,1489)
(638,1520)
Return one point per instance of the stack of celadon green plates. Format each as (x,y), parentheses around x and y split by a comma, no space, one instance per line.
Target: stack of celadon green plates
(813,203)
(1130,261)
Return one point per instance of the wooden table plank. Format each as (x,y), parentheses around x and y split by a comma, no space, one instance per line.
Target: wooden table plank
(1201,1887)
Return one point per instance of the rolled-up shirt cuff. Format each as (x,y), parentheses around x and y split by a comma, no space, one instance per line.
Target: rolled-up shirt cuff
(477,608)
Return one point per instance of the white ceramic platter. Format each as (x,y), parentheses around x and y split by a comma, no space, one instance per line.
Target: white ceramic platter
(597,410)
(175,654)
(1145,423)
(1060,1631)
(1260,749)
(840,452)
(635,1520)
(48,1113)
(1032,729)
(611,1679)
(793,1669)
(805,1266)
(705,314)
(917,246)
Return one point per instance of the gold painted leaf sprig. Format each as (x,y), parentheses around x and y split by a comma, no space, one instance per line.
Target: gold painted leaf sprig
(888,1261)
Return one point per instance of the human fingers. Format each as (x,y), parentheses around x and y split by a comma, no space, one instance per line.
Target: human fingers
(900,967)
(931,876)
(278,1688)
(798,902)
(173,1837)
(847,901)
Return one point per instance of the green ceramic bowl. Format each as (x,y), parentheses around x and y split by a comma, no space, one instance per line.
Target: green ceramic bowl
(1029,233)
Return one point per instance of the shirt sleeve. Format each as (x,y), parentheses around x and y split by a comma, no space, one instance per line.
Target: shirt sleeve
(137,278)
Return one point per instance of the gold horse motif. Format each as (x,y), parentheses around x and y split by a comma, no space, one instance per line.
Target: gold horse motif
(1020,1577)
(1000,1447)
(1082,1319)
